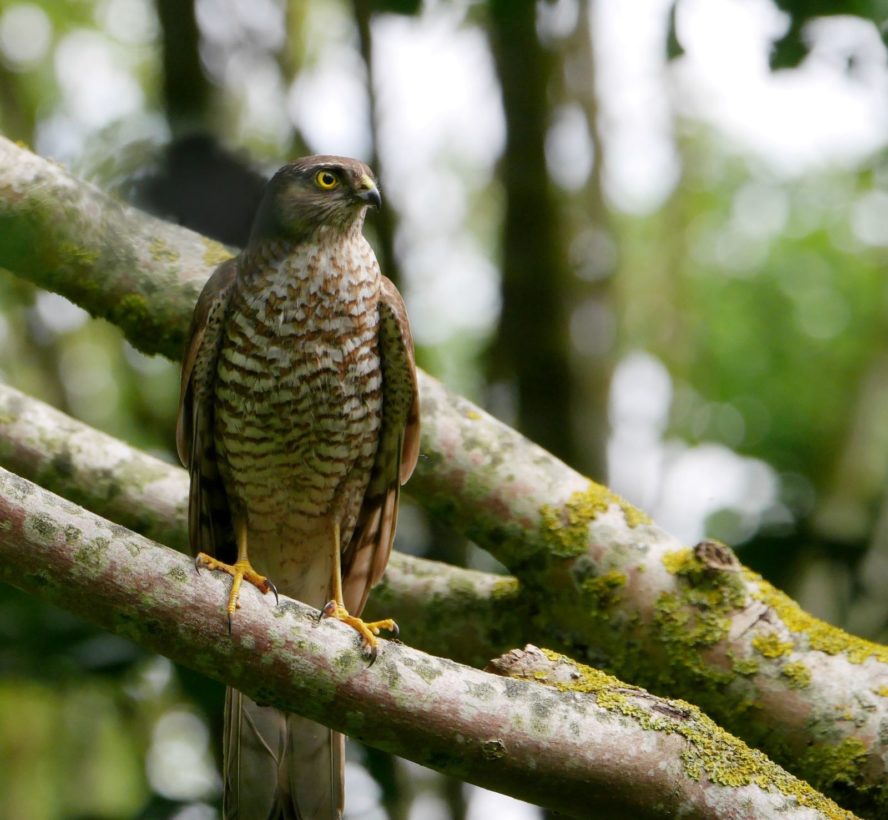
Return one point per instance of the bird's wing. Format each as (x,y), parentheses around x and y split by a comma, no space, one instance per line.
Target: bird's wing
(209,517)
(365,558)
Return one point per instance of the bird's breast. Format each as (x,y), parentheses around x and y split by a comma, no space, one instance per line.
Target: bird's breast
(299,384)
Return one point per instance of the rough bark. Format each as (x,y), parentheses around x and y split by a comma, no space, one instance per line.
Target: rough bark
(120,264)
(606,583)
(619,749)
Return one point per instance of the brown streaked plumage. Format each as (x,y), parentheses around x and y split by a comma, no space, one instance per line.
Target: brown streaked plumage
(298,421)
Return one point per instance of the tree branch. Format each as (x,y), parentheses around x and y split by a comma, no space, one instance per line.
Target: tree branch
(607,583)
(462,614)
(119,263)
(624,751)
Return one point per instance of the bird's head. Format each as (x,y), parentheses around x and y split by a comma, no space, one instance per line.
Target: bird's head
(313,193)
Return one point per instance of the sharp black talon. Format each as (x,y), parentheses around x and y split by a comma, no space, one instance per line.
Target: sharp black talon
(372,654)
(197,564)
(395,631)
(229,623)
(274,590)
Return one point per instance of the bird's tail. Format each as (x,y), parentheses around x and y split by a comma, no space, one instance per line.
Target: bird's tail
(279,766)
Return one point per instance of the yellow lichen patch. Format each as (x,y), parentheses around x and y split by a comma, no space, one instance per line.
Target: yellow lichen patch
(745,666)
(162,252)
(74,254)
(704,588)
(589,680)
(770,645)
(882,691)
(799,675)
(473,415)
(601,591)
(215,253)
(507,587)
(821,636)
(697,614)
(685,627)
(681,562)
(566,529)
(707,587)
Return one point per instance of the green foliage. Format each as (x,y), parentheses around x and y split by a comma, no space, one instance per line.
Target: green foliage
(759,296)
(76,736)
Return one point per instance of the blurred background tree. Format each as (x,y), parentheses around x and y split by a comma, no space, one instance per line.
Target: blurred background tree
(651,235)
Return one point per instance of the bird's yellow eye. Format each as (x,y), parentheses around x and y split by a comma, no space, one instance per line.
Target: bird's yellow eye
(326,180)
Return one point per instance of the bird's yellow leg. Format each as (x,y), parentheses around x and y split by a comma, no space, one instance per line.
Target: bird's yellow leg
(241,570)
(368,630)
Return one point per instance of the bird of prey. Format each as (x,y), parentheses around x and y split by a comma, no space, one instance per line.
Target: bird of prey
(298,421)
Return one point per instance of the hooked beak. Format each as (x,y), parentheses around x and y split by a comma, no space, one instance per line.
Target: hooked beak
(368,193)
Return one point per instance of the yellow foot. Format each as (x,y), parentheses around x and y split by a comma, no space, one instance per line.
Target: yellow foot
(368,630)
(239,571)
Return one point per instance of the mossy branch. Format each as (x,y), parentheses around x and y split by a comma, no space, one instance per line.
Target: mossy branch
(605,582)
(536,743)
(707,750)
(115,261)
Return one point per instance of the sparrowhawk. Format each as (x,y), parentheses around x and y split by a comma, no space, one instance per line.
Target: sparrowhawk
(298,421)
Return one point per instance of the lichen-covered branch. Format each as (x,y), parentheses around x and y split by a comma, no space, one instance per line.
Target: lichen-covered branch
(93,469)
(607,583)
(693,623)
(706,748)
(118,263)
(616,750)
(462,614)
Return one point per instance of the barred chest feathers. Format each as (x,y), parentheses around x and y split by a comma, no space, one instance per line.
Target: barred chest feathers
(299,381)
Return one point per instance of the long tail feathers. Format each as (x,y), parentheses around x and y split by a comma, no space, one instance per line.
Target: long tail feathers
(279,766)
